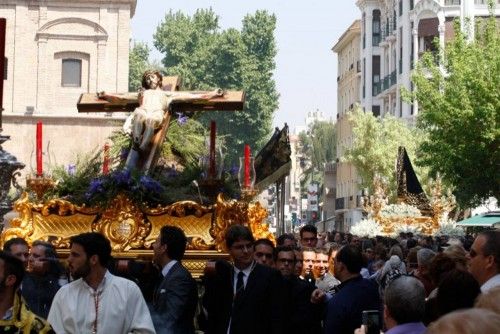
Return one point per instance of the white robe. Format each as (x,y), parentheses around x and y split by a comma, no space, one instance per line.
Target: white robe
(121,308)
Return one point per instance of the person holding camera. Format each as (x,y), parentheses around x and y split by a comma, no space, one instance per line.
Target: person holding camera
(404,308)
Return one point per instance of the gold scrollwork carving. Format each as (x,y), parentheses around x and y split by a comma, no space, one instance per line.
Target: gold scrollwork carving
(132,229)
(123,224)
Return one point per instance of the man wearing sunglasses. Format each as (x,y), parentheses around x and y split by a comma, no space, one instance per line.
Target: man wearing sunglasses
(484,260)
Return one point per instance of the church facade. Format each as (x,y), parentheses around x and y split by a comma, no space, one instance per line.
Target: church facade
(56,50)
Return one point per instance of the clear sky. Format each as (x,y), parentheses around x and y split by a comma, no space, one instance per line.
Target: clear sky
(306,67)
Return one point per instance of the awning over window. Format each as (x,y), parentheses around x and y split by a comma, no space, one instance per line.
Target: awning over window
(490,219)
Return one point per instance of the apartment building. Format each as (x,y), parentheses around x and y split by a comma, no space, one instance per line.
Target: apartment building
(347,48)
(395,33)
(376,56)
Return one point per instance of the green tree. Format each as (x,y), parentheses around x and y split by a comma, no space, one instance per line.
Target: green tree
(205,57)
(138,63)
(318,146)
(375,147)
(459,107)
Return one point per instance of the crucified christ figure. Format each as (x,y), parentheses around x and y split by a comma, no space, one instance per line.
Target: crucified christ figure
(150,114)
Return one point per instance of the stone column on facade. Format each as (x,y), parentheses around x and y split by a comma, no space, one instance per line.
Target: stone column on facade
(100,65)
(123,37)
(43,76)
(406,40)
(415,60)
(369,59)
(441,29)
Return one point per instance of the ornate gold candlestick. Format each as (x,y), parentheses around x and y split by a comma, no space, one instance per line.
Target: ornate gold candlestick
(39,185)
(248,194)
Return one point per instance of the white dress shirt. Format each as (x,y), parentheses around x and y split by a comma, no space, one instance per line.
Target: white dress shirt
(246,273)
(167,267)
(491,283)
(121,308)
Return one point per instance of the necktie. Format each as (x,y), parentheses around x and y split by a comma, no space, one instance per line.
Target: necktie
(239,284)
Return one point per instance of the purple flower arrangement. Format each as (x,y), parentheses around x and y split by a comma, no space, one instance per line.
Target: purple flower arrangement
(138,187)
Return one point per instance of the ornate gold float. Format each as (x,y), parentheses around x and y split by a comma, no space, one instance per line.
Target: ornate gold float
(440,205)
(132,229)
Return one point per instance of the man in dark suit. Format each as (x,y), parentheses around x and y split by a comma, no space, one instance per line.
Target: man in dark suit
(245,297)
(355,294)
(303,317)
(175,299)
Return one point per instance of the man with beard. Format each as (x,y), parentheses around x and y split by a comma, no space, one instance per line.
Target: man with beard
(14,315)
(175,299)
(97,301)
(246,297)
(303,316)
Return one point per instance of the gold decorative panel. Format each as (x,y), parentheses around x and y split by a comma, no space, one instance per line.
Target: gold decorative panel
(133,229)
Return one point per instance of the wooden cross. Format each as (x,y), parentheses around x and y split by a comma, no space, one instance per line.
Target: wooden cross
(128,102)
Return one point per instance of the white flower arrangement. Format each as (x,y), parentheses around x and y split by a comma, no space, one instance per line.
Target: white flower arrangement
(400,210)
(366,228)
(449,227)
(406,228)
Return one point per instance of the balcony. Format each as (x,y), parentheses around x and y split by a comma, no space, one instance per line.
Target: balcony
(393,78)
(377,88)
(452,2)
(386,82)
(339,203)
(330,167)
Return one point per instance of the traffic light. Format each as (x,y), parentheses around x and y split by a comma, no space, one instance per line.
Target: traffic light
(294,218)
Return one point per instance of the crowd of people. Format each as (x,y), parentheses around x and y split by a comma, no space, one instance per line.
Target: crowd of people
(315,283)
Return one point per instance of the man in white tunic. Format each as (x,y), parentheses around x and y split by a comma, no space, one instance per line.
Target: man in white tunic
(97,301)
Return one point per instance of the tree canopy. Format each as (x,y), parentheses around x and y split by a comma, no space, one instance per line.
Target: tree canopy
(375,147)
(459,108)
(318,146)
(205,57)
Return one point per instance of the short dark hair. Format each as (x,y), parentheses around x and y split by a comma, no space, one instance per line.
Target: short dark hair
(14,241)
(13,266)
(176,241)
(49,249)
(492,245)
(308,228)
(458,289)
(280,249)
(286,236)
(238,232)
(404,298)
(351,257)
(94,243)
(263,241)
(56,267)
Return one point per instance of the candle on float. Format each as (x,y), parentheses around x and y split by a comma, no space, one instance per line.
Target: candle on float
(105,163)
(211,166)
(247,166)
(39,161)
